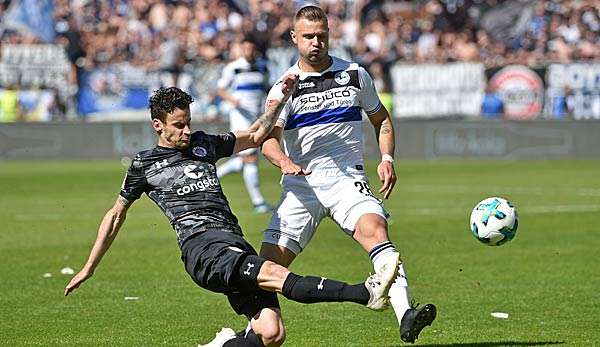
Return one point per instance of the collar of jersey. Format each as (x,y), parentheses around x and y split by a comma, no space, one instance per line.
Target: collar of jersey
(308,74)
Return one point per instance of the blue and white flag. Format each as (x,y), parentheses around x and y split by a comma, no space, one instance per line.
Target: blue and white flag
(33,16)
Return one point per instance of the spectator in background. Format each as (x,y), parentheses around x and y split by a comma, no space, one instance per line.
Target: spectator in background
(9,105)
(383,84)
(492,106)
(179,36)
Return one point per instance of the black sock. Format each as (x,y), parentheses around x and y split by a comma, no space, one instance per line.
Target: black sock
(245,339)
(310,289)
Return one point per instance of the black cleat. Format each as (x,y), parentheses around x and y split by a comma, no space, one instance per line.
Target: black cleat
(414,320)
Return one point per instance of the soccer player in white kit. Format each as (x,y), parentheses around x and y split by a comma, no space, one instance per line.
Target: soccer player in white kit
(321,128)
(243,84)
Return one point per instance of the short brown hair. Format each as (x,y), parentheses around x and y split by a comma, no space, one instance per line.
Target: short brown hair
(312,13)
(164,100)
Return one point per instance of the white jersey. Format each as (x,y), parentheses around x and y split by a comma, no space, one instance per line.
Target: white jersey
(246,83)
(323,118)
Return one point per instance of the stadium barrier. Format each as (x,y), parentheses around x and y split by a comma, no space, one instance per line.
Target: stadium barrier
(433,139)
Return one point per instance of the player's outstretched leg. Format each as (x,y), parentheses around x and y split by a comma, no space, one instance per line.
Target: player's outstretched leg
(311,289)
(414,320)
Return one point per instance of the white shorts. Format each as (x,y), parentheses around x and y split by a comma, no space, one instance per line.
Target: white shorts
(306,201)
(240,119)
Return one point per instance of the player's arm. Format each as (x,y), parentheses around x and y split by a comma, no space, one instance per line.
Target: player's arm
(223,84)
(259,130)
(384,132)
(108,230)
(272,150)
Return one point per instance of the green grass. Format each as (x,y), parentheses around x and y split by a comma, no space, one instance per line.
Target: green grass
(547,278)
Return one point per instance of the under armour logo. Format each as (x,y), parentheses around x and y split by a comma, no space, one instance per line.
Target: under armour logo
(320,285)
(161,164)
(250,266)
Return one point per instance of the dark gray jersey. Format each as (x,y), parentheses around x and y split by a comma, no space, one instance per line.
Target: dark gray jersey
(184,184)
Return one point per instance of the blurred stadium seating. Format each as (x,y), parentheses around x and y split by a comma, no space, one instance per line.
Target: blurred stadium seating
(98,60)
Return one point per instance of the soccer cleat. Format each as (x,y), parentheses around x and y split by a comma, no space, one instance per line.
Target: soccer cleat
(263,208)
(414,320)
(221,337)
(379,283)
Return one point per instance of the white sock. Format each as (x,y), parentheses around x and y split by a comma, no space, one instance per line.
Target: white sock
(234,164)
(399,294)
(252,183)
(399,290)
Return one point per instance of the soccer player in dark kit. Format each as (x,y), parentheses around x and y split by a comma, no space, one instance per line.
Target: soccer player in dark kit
(179,175)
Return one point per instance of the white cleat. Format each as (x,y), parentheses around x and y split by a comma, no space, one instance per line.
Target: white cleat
(221,337)
(380,282)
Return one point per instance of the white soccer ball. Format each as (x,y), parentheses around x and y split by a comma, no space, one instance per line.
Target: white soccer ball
(494,221)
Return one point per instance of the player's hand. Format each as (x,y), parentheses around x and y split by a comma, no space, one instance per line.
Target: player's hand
(386,173)
(77,280)
(288,86)
(290,168)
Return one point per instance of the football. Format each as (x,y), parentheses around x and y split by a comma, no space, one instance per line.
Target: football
(494,221)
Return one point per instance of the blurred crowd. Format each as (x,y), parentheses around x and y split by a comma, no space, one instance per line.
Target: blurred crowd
(170,35)
(159,34)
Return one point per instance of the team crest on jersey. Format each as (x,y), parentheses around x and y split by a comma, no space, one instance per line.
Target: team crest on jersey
(199,151)
(342,78)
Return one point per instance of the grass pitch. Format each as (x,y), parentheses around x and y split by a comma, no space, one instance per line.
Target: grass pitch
(547,279)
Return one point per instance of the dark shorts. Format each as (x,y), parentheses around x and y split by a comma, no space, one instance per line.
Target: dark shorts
(224,262)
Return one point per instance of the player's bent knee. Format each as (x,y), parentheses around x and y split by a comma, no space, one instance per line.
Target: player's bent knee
(271,335)
(370,231)
(269,327)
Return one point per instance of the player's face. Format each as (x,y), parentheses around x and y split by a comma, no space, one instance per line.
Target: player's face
(248,51)
(175,132)
(312,40)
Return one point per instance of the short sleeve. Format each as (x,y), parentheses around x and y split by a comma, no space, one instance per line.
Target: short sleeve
(223,144)
(369,100)
(135,182)
(273,96)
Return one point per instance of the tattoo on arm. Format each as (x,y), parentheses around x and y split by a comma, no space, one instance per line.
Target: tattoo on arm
(264,123)
(267,119)
(385,129)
